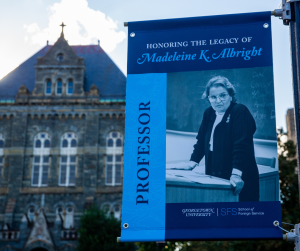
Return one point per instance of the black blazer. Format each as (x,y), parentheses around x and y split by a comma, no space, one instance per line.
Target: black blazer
(233,146)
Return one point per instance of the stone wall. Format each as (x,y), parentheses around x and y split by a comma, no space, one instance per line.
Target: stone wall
(19,125)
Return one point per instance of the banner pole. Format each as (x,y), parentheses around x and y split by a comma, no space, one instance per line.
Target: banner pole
(294,26)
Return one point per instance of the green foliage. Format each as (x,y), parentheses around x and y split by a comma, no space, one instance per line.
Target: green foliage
(98,231)
(289,182)
(146,246)
(289,204)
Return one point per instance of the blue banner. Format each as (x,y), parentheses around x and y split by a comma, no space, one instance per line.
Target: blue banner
(200,158)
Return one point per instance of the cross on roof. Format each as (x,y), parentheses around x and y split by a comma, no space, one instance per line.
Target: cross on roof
(62,27)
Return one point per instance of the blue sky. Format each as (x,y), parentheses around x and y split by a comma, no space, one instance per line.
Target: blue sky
(26,25)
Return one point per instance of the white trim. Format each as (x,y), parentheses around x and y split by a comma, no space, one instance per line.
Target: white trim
(114,151)
(31,216)
(69,218)
(68,164)
(117,214)
(68,152)
(40,152)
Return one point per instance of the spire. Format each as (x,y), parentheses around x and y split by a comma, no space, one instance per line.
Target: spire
(62,28)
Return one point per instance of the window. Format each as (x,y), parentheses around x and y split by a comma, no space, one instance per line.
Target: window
(41,160)
(60,57)
(70,87)
(112,209)
(1,154)
(69,220)
(114,159)
(59,210)
(68,159)
(48,90)
(59,87)
(30,213)
(117,211)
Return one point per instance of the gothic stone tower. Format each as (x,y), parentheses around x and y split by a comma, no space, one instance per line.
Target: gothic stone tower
(61,144)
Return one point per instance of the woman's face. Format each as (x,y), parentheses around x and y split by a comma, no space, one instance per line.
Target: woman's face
(219,98)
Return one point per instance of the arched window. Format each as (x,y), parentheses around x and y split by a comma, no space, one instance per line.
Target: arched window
(60,57)
(59,87)
(41,160)
(110,143)
(69,218)
(114,159)
(1,154)
(30,213)
(70,88)
(59,210)
(38,144)
(65,143)
(68,159)
(48,89)
(117,211)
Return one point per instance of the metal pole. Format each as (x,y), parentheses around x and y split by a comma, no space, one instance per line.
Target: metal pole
(294,25)
(160,245)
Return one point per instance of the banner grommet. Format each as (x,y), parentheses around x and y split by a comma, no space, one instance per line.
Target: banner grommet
(266,25)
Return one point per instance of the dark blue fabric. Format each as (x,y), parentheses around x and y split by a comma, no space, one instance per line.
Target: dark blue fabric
(208,21)
(205,44)
(223,220)
(99,70)
(144,59)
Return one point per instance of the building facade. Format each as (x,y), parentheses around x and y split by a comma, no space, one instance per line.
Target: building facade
(61,145)
(290,125)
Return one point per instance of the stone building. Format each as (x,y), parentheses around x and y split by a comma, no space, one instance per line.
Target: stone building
(61,145)
(290,125)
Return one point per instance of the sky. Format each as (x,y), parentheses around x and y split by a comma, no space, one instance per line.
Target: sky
(26,25)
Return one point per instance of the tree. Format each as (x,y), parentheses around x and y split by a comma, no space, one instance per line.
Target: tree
(289,205)
(99,231)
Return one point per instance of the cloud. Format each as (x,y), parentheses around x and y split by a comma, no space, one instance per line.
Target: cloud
(84,26)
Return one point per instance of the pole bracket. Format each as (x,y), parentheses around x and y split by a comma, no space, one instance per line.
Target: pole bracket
(285,12)
(291,236)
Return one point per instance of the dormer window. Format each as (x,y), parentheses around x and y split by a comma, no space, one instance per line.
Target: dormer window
(48,90)
(70,87)
(60,57)
(59,87)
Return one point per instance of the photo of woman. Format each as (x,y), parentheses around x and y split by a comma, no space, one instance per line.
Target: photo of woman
(225,147)
(225,138)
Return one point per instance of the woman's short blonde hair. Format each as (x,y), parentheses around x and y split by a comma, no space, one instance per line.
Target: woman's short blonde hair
(220,81)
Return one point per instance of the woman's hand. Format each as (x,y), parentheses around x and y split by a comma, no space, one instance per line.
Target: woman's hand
(237,182)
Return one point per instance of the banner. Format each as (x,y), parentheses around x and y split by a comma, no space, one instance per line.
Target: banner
(200,160)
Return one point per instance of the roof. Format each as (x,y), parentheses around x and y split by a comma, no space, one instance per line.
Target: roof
(99,70)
